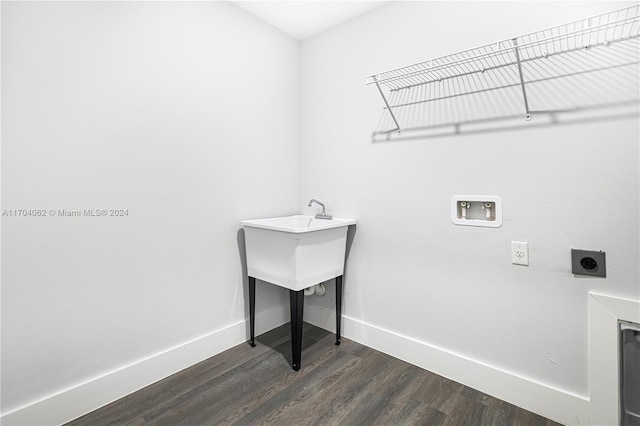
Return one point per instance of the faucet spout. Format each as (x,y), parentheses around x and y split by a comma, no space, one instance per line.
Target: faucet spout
(313,200)
(322,215)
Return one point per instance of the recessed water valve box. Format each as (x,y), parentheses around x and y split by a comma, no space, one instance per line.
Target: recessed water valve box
(588,262)
(476,210)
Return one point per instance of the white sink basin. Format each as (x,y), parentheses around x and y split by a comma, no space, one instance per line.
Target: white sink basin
(296,251)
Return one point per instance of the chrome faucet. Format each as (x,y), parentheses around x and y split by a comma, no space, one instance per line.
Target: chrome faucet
(322,215)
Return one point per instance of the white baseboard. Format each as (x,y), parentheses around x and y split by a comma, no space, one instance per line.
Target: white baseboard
(70,403)
(556,404)
(320,317)
(81,398)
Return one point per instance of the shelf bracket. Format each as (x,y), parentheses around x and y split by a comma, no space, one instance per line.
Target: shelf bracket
(524,90)
(393,117)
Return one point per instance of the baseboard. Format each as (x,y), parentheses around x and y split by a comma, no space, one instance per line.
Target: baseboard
(70,403)
(320,317)
(556,404)
(81,398)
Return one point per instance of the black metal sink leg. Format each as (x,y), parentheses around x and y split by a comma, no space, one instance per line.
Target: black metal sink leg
(252,310)
(297,304)
(338,308)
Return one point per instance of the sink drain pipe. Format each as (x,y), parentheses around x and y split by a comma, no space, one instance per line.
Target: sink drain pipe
(319,289)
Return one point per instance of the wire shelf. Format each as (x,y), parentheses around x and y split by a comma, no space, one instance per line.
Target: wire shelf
(589,63)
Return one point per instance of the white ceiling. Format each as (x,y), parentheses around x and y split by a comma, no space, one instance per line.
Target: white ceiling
(305,18)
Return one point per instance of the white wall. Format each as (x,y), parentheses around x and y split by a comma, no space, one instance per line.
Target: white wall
(184,113)
(415,275)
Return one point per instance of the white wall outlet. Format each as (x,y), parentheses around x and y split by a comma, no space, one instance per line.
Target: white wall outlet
(520,253)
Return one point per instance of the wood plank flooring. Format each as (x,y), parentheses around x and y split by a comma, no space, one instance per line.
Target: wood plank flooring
(349,384)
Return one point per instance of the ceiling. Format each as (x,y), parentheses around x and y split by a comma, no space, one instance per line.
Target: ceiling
(305,18)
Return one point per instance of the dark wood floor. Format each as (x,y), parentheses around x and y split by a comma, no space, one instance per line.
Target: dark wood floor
(349,384)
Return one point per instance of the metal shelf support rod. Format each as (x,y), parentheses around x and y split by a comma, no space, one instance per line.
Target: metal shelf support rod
(388,107)
(524,90)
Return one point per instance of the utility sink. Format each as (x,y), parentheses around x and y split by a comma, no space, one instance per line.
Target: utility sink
(296,251)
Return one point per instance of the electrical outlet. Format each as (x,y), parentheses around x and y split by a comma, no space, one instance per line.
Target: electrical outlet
(589,262)
(520,253)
